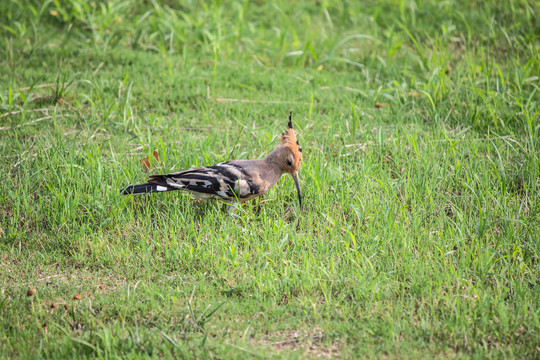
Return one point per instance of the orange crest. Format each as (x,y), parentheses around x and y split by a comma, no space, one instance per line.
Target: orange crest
(288,138)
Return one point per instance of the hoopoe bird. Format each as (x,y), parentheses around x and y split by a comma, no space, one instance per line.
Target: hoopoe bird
(236,180)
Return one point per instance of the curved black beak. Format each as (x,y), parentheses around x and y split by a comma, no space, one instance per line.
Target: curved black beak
(297,184)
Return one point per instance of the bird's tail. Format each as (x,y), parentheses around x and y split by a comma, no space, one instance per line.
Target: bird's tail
(145,189)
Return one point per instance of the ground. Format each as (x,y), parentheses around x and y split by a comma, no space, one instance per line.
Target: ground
(419,232)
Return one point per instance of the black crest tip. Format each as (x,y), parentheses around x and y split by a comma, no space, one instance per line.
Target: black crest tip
(290,120)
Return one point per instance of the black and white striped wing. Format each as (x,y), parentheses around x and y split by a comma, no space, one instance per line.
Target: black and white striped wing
(225,180)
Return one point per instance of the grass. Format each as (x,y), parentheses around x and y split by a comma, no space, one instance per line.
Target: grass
(419,236)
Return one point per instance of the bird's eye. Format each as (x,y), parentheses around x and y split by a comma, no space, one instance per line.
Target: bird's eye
(289,162)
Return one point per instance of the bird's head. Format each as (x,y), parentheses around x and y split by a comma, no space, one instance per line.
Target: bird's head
(290,155)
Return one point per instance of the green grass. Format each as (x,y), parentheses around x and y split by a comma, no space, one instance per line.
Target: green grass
(420,232)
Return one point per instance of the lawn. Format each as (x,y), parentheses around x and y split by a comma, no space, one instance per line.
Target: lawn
(419,233)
